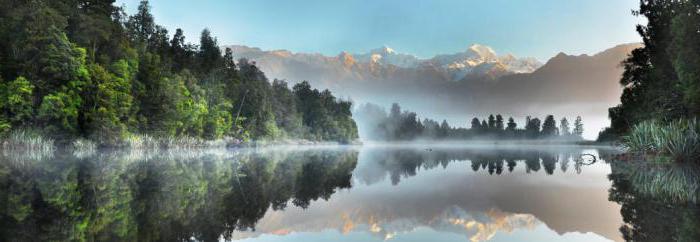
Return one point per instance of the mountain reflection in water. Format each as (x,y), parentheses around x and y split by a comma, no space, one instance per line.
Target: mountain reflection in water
(371,193)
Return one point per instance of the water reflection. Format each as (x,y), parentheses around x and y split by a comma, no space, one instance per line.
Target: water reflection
(655,210)
(322,194)
(169,197)
(407,194)
(406,161)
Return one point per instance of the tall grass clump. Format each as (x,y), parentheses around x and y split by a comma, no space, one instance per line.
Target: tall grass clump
(643,137)
(145,142)
(141,141)
(83,147)
(188,142)
(678,140)
(183,142)
(27,140)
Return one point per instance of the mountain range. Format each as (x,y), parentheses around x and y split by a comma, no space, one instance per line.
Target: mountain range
(459,86)
(477,61)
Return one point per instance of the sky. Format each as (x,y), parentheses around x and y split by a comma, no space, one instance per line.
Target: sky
(527,28)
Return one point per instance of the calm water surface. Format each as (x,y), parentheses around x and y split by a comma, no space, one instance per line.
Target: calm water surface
(374,193)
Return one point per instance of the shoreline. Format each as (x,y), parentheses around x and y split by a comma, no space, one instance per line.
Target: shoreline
(187,143)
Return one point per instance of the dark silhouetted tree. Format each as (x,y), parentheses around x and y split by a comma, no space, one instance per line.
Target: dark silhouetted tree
(209,53)
(549,127)
(444,129)
(499,122)
(181,52)
(578,127)
(511,124)
(476,124)
(564,127)
(492,122)
(141,25)
(532,127)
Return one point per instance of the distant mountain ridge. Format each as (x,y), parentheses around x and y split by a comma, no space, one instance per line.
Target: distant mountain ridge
(477,61)
(459,86)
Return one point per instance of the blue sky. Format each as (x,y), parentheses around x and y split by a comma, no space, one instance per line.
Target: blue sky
(536,28)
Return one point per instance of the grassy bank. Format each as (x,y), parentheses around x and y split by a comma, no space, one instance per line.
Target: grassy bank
(29,141)
(675,141)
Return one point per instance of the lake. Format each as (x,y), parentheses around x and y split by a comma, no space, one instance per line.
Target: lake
(370,193)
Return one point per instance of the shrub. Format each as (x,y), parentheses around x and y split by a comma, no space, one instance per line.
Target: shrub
(677,140)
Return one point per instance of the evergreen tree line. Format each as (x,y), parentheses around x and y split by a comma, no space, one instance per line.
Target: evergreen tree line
(406,125)
(78,68)
(661,79)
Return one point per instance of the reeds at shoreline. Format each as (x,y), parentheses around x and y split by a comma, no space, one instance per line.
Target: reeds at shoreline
(677,140)
(27,140)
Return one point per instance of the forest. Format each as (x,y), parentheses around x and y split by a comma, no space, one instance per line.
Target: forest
(73,69)
(661,98)
(405,125)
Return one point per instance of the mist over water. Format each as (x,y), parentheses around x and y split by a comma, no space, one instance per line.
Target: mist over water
(565,86)
(595,119)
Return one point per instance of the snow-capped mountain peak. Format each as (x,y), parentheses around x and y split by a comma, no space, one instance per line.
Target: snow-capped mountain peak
(482,52)
(477,61)
(482,61)
(388,56)
(386,50)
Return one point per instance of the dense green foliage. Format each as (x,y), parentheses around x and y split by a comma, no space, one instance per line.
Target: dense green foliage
(661,79)
(662,84)
(677,140)
(405,125)
(75,68)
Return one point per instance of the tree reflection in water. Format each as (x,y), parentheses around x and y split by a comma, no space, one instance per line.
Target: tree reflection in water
(405,162)
(133,196)
(654,211)
(160,198)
